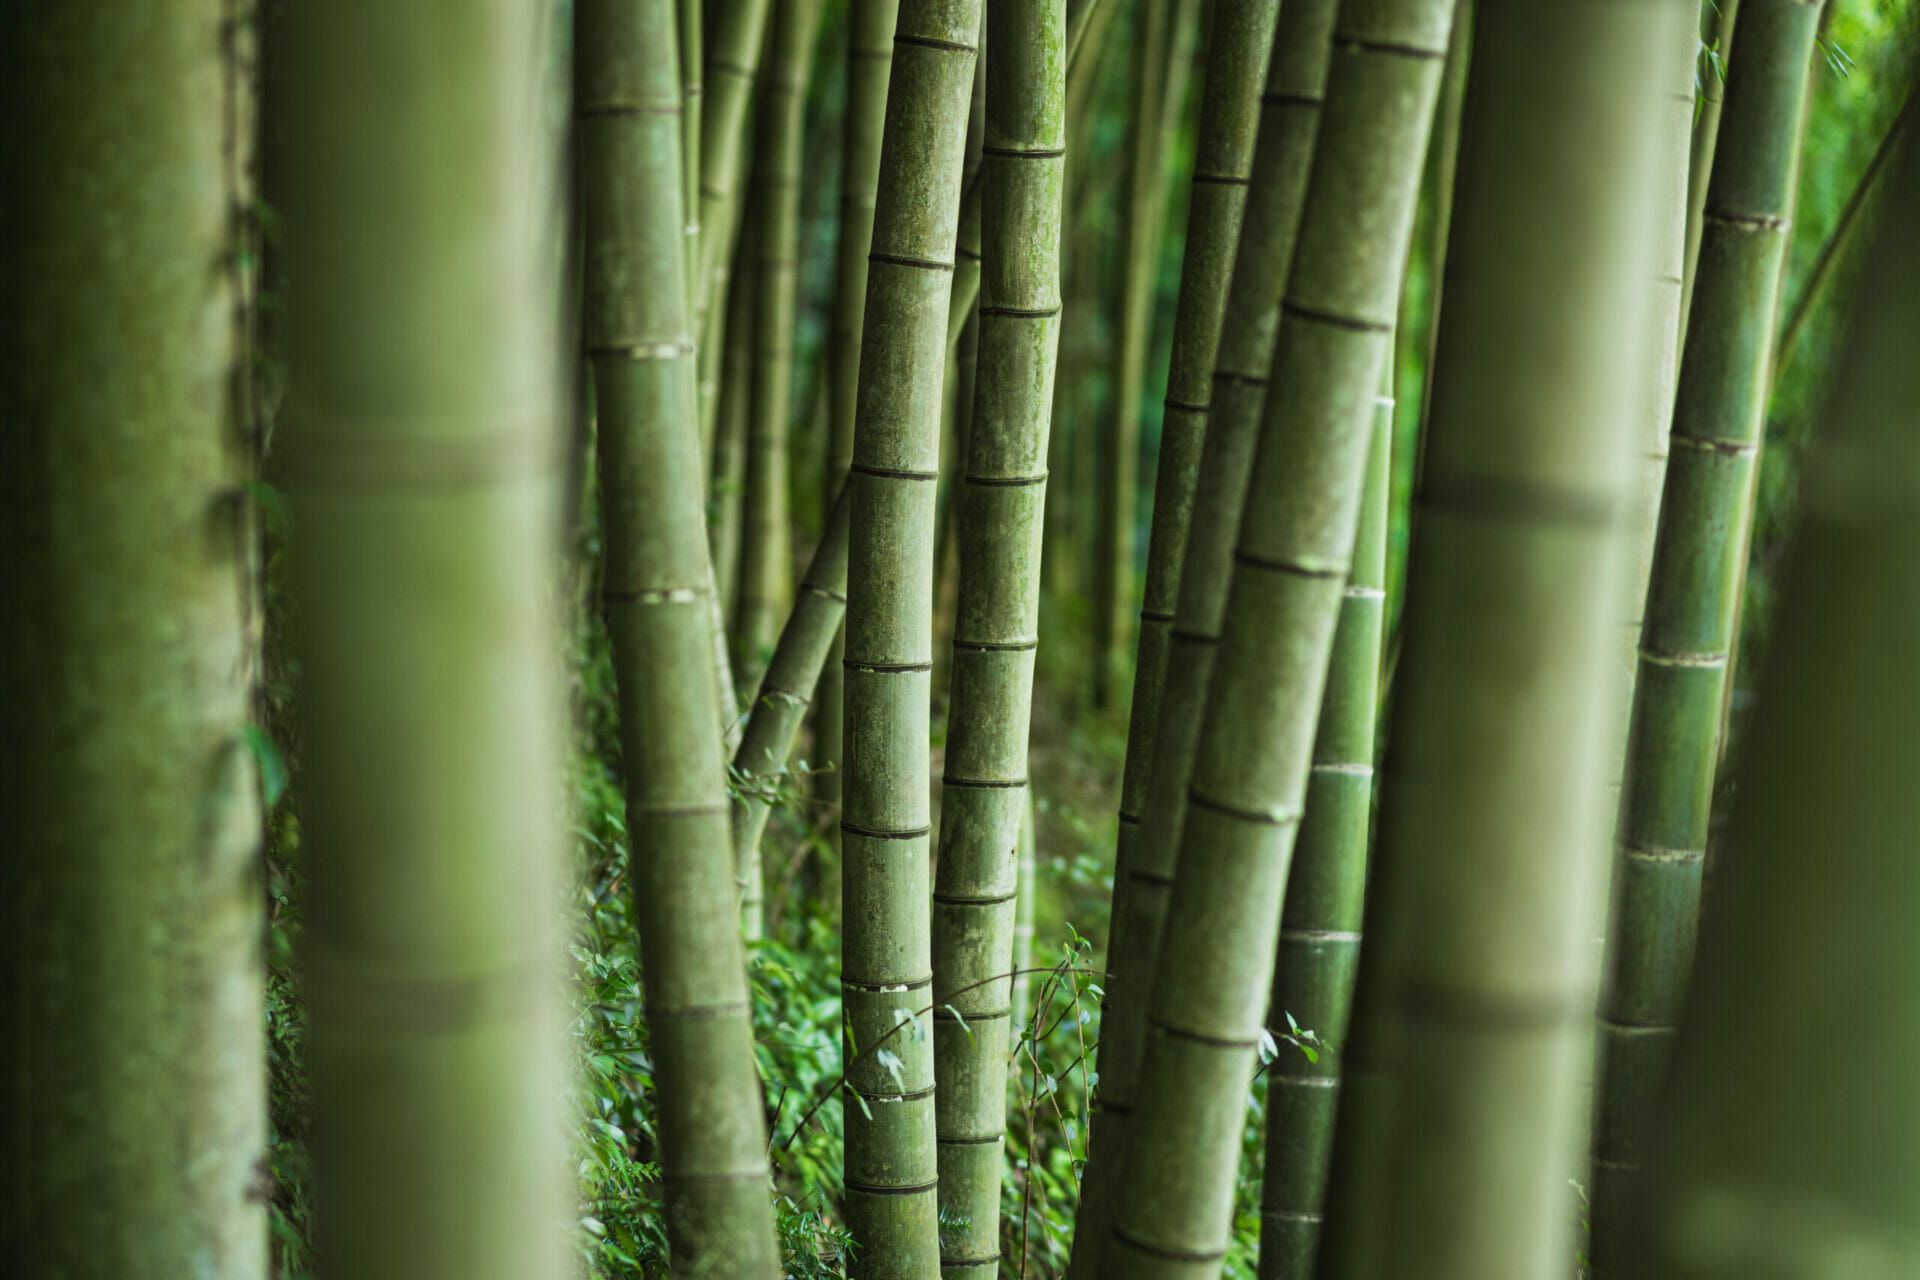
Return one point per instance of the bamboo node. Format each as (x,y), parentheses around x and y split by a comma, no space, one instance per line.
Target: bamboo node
(1162,1251)
(901,260)
(873,833)
(1357,324)
(1293,567)
(1203,1037)
(1386,48)
(1710,444)
(933,42)
(1265,817)
(1640,852)
(652,595)
(1665,658)
(1007,482)
(1024,153)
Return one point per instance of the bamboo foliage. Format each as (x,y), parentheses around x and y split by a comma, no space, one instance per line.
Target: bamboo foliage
(1699,561)
(657,608)
(766,547)
(1470,1039)
(1215,966)
(418,445)
(1233,113)
(1768,1159)
(132,904)
(1319,950)
(985,795)
(891,1167)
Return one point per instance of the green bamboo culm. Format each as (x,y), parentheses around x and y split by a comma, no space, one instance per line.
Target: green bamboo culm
(1717,19)
(1023,910)
(1469,1042)
(781,701)
(1289,116)
(1276,100)
(966,270)
(692,99)
(1654,418)
(1699,567)
(1214,969)
(1319,951)
(1163,36)
(732,69)
(886,962)
(732,65)
(870,26)
(765,590)
(726,510)
(419,447)
(655,602)
(135,1120)
(985,802)
(1768,1161)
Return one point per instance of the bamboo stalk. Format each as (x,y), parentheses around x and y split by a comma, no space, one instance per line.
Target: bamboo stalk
(1460,1113)
(1770,1159)
(1227,322)
(891,1167)
(798,666)
(1706,139)
(765,588)
(421,455)
(1319,949)
(1699,566)
(656,600)
(1002,502)
(130,939)
(1162,55)
(732,66)
(1214,969)
(870,26)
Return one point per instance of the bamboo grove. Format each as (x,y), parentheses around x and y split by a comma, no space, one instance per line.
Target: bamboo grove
(916,639)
